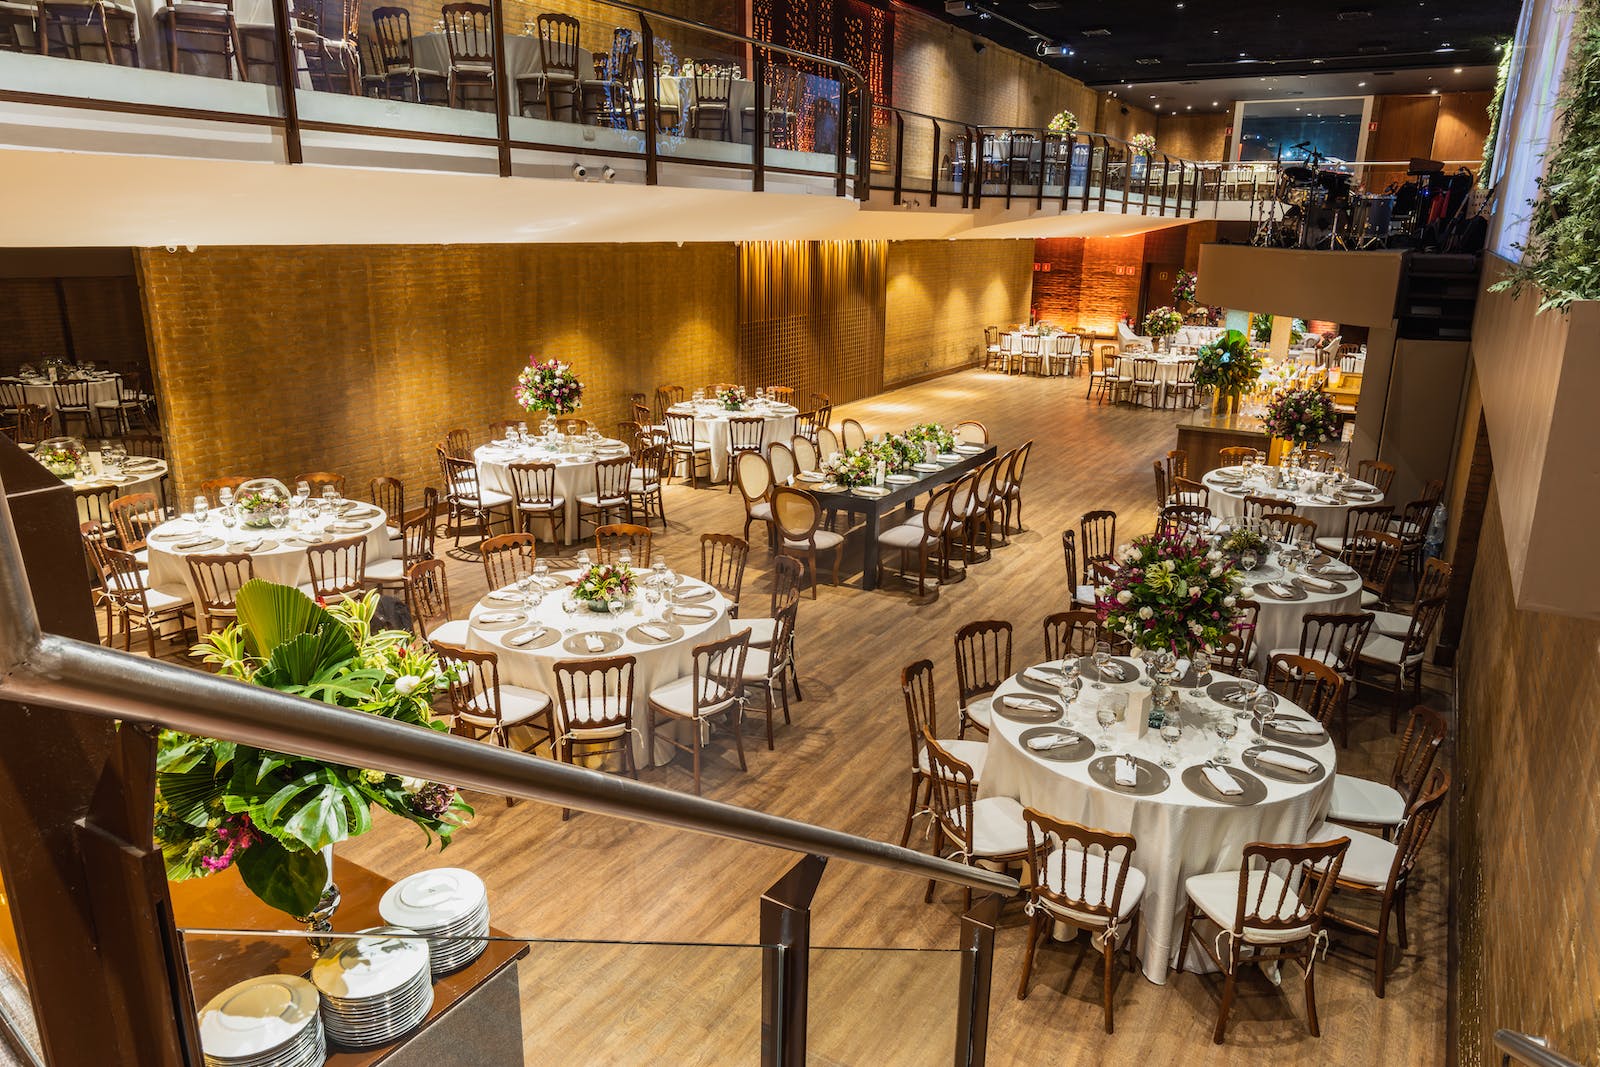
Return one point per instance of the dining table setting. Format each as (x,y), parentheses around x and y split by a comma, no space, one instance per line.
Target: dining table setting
(538,621)
(1194,762)
(712,416)
(574,457)
(1322,496)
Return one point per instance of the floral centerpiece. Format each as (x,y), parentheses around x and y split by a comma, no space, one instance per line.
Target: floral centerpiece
(603,583)
(1172,593)
(1183,287)
(898,451)
(1228,365)
(733,398)
(1063,122)
(60,455)
(850,468)
(1302,416)
(221,804)
(1143,144)
(934,434)
(1243,540)
(256,507)
(550,386)
(1161,323)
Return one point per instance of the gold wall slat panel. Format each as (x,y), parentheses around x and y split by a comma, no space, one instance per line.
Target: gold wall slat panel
(811,315)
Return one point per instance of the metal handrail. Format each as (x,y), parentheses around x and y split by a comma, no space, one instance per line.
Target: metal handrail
(46,669)
(1518,1047)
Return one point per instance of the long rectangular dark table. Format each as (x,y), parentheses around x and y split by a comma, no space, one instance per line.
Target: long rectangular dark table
(875,507)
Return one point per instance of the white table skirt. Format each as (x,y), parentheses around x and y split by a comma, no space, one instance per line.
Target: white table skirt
(285,564)
(44,394)
(574,474)
(1227,501)
(711,426)
(654,664)
(1179,834)
(140,482)
(1166,372)
(1278,624)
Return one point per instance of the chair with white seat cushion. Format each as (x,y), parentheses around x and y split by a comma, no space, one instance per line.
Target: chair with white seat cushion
(787,574)
(594,710)
(485,709)
(767,669)
(1084,877)
(338,569)
(715,689)
(610,498)
(389,494)
(922,719)
(1375,556)
(130,598)
(1375,868)
(466,495)
(534,498)
(1402,657)
(1336,639)
(1366,803)
(1081,593)
(753,475)
(416,545)
(983,661)
(683,447)
(798,518)
(644,483)
(1262,916)
(1372,517)
(922,540)
(428,597)
(1435,584)
(216,580)
(987,831)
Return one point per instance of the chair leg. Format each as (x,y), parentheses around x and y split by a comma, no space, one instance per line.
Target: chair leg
(738,735)
(783,696)
(1034,929)
(1108,951)
(699,726)
(1400,916)
(1188,932)
(911,810)
(1379,967)
(1227,1006)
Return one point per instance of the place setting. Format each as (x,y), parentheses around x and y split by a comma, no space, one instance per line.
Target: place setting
(1282,764)
(1059,744)
(1223,784)
(1129,774)
(592,643)
(1023,708)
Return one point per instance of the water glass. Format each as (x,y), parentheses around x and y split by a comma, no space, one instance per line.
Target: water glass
(1102,656)
(625,558)
(302,492)
(1171,734)
(1106,716)
(201,506)
(583,559)
(225,497)
(228,515)
(1226,728)
(652,597)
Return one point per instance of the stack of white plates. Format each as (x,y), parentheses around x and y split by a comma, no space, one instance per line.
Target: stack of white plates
(270,1021)
(373,988)
(450,905)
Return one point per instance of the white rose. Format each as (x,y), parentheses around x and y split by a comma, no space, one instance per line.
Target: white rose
(411,785)
(1124,596)
(1216,572)
(1145,613)
(1195,628)
(1229,601)
(1194,592)
(406,683)
(1213,555)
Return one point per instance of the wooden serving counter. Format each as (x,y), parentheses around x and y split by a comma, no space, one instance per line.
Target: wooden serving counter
(1202,434)
(488,1031)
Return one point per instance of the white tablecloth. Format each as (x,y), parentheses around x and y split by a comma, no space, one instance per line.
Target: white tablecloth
(44,393)
(522,57)
(1166,371)
(654,664)
(143,480)
(1011,347)
(1278,625)
(284,563)
(574,472)
(711,426)
(1227,499)
(677,93)
(1179,833)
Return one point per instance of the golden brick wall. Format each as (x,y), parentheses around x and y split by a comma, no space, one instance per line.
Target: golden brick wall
(358,358)
(1526,853)
(941,294)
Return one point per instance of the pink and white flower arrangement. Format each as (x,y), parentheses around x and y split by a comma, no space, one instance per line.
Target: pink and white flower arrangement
(1143,144)
(549,386)
(1302,416)
(1173,593)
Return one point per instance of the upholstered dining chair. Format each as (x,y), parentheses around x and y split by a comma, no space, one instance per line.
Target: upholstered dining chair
(1084,877)
(923,537)
(1010,487)
(508,558)
(780,457)
(970,432)
(986,830)
(753,475)
(1266,917)
(713,690)
(983,661)
(594,711)
(618,539)
(828,444)
(486,709)
(852,435)
(805,453)
(798,518)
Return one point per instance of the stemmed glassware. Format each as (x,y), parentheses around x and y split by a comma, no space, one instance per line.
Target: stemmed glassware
(1171,734)
(1226,727)
(1102,656)
(302,492)
(201,507)
(1071,685)
(1249,685)
(228,515)
(1106,716)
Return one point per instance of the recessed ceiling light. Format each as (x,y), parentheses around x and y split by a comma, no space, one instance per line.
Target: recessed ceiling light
(1434,92)
(1188,107)
(1458,70)
(1158,106)
(1215,103)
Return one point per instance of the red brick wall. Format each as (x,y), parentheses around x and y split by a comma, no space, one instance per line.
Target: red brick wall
(101,314)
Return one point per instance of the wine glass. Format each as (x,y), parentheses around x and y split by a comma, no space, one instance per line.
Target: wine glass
(584,563)
(330,498)
(614,605)
(1171,734)
(1106,716)
(302,492)
(625,559)
(652,597)
(541,574)
(1249,682)
(278,517)
(228,515)
(1200,664)
(1226,727)
(1070,684)
(201,507)
(1147,659)
(569,607)
(1102,656)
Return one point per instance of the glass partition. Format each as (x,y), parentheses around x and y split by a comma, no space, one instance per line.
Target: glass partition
(883,1005)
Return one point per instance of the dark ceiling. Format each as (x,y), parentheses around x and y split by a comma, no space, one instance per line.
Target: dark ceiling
(1168,40)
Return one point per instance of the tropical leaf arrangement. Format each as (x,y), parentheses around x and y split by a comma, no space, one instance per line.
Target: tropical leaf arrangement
(1261,328)
(1228,364)
(221,804)
(1561,257)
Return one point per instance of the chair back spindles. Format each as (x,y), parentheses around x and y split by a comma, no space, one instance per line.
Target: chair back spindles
(1310,684)
(134,516)
(390,495)
(427,595)
(1097,537)
(1276,904)
(1076,868)
(338,568)
(611,541)
(983,658)
(508,558)
(722,563)
(1069,634)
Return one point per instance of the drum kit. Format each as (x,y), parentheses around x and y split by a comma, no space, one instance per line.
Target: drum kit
(1322,208)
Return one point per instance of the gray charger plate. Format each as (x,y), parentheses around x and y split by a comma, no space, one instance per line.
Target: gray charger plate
(1153,781)
(1255,790)
(1022,714)
(1077,751)
(1281,774)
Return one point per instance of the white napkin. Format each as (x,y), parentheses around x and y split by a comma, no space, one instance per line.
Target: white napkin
(1286,760)
(1305,727)
(1028,704)
(1126,773)
(1045,675)
(657,632)
(594,643)
(1222,781)
(1280,589)
(1323,498)
(1113,670)
(690,611)
(505,596)
(1319,583)
(1046,742)
(194,542)
(526,637)
(247,546)
(499,616)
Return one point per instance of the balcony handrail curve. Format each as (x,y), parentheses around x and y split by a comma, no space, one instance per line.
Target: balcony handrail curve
(60,672)
(1515,1046)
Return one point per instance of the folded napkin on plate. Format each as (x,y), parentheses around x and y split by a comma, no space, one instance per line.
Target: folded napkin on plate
(505,595)
(1045,675)
(1028,704)
(498,616)
(656,633)
(246,546)
(1323,498)
(594,642)
(348,527)
(1126,771)
(1046,742)
(1320,583)
(1279,589)
(691,611)
(1112,669)
(1287,760)
(1298,726)
(1222,781)
(194,542)
(526,637)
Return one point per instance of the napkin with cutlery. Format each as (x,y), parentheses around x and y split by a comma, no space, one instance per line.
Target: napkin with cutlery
(1125,771)
(1028,704)
(1287,760)
(1045,675)
(348,527)
(690,611)
(1112,669)
(1222,781)
(1304,727)
(498,616)
(594,642)
(526,637)
(505,596)
(194,542)
(246,546)
(1046,742)
(656,633)
(1320,583)
(1279,589)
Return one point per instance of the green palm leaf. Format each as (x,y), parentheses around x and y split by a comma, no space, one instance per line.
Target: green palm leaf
(299,660)
(273,614)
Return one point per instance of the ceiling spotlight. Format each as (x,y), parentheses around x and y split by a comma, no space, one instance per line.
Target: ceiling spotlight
(1458,70)
(960,8)
(1046,49)
(1215,103)
(1361,85)
(1158,106)
(1433,92)
(1188,107)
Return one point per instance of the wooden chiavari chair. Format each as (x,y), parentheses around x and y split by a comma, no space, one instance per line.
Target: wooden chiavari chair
(1183,520)
(823,406)
(572,426)
(1308,683)
(922,717)
(1185,491)
(1373,517)
(983,661)
(535,500)
(1097,537)
(469,39)
(722,563)
(130,599)
(1236,456)
(594,711)
(1382,806)
(610,498)
(767,669)
(1163,497)
(320,480)
(745,434)
(612,542)
(484,708)
(957,808)
(390,495)
(1069,634)
(1375,556)
(1403,657)
(715,689)
(1080,593)
(783,394)
(500,429)
(456,444)
(1376,473)
(428,597)
(466,495)
(391,29)
(416,545)
(1282,526)
(134,516)
(508,558)
(646,500)
(1143,381)
(685,449)
(216,580)
(1252,508)
(338,569)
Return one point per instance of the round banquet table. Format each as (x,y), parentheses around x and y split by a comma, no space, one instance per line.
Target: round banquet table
(1313,500)
(655,663)
(275,555)
(574,470)
(711,426)
(1278,624)
(140,475)
(1166,370)
(1180,833)
(42,392)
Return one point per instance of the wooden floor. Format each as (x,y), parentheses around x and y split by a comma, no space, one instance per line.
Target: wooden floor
(844,764)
